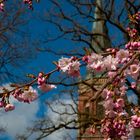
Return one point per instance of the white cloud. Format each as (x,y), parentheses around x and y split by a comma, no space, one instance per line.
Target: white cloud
(57,119)
(18,120)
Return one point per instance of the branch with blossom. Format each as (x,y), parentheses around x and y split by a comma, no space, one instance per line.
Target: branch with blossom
(26,2)
(117,64)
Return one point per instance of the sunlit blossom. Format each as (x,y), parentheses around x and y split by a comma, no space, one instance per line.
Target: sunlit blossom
(64,63)
(29,95)
(69,66)
(110,63)
(46,87)
(9,107)
(122,55)
(134,70)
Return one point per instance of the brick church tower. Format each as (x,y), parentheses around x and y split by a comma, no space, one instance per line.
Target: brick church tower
(94,110)
(89,112)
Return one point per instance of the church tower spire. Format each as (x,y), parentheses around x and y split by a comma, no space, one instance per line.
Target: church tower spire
(101,40)
(87,112)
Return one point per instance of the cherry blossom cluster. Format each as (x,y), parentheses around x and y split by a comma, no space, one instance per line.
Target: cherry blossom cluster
(133,45)
(2,5)
(114,128)
(135,121)
(118,123)
(132,32)
(71,66)
(42,83)
(27,2)
(136,18)
(25,93)
(118,64)
(98,63)
(114,124)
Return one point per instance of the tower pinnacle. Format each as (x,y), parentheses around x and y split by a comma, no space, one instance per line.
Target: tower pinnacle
(101,41)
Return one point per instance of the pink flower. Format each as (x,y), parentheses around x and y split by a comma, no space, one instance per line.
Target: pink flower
(109,104)
(46,87)
(9,107)
(110,62)
(111,74)
(2,6)
(133,84)
(69,65)
(94,57)
(95,62)
(107,94)
(29,2)
(120,102)
(64,63)
(29,95)
(123,90)
(1,103)
(104,93)
(74,68)
(134,70)
(134,118)
(119,105)
(85,59)
(92,130)
(97,66)
(122,55)
(41,79)
(18,95)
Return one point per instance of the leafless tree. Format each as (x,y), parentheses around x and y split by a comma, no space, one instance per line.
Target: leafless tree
(15,41)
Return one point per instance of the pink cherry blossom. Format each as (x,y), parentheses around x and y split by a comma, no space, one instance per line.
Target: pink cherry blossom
(95,62)
(133,45)
(132,32)
(64,63)
(2,6)
(85,59)
(9,107)
(96,66)
(41,79)
(111,74)
(110,62)
(123,90)
(120,102)
(1,103)
(18,95)
(122,55)
(69,65)
(46,87)
(94,57)
(135,121)
(106,94)
(29,2)
(134,70)
(74,68)
(29,95)
(133,84)
(109,104)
